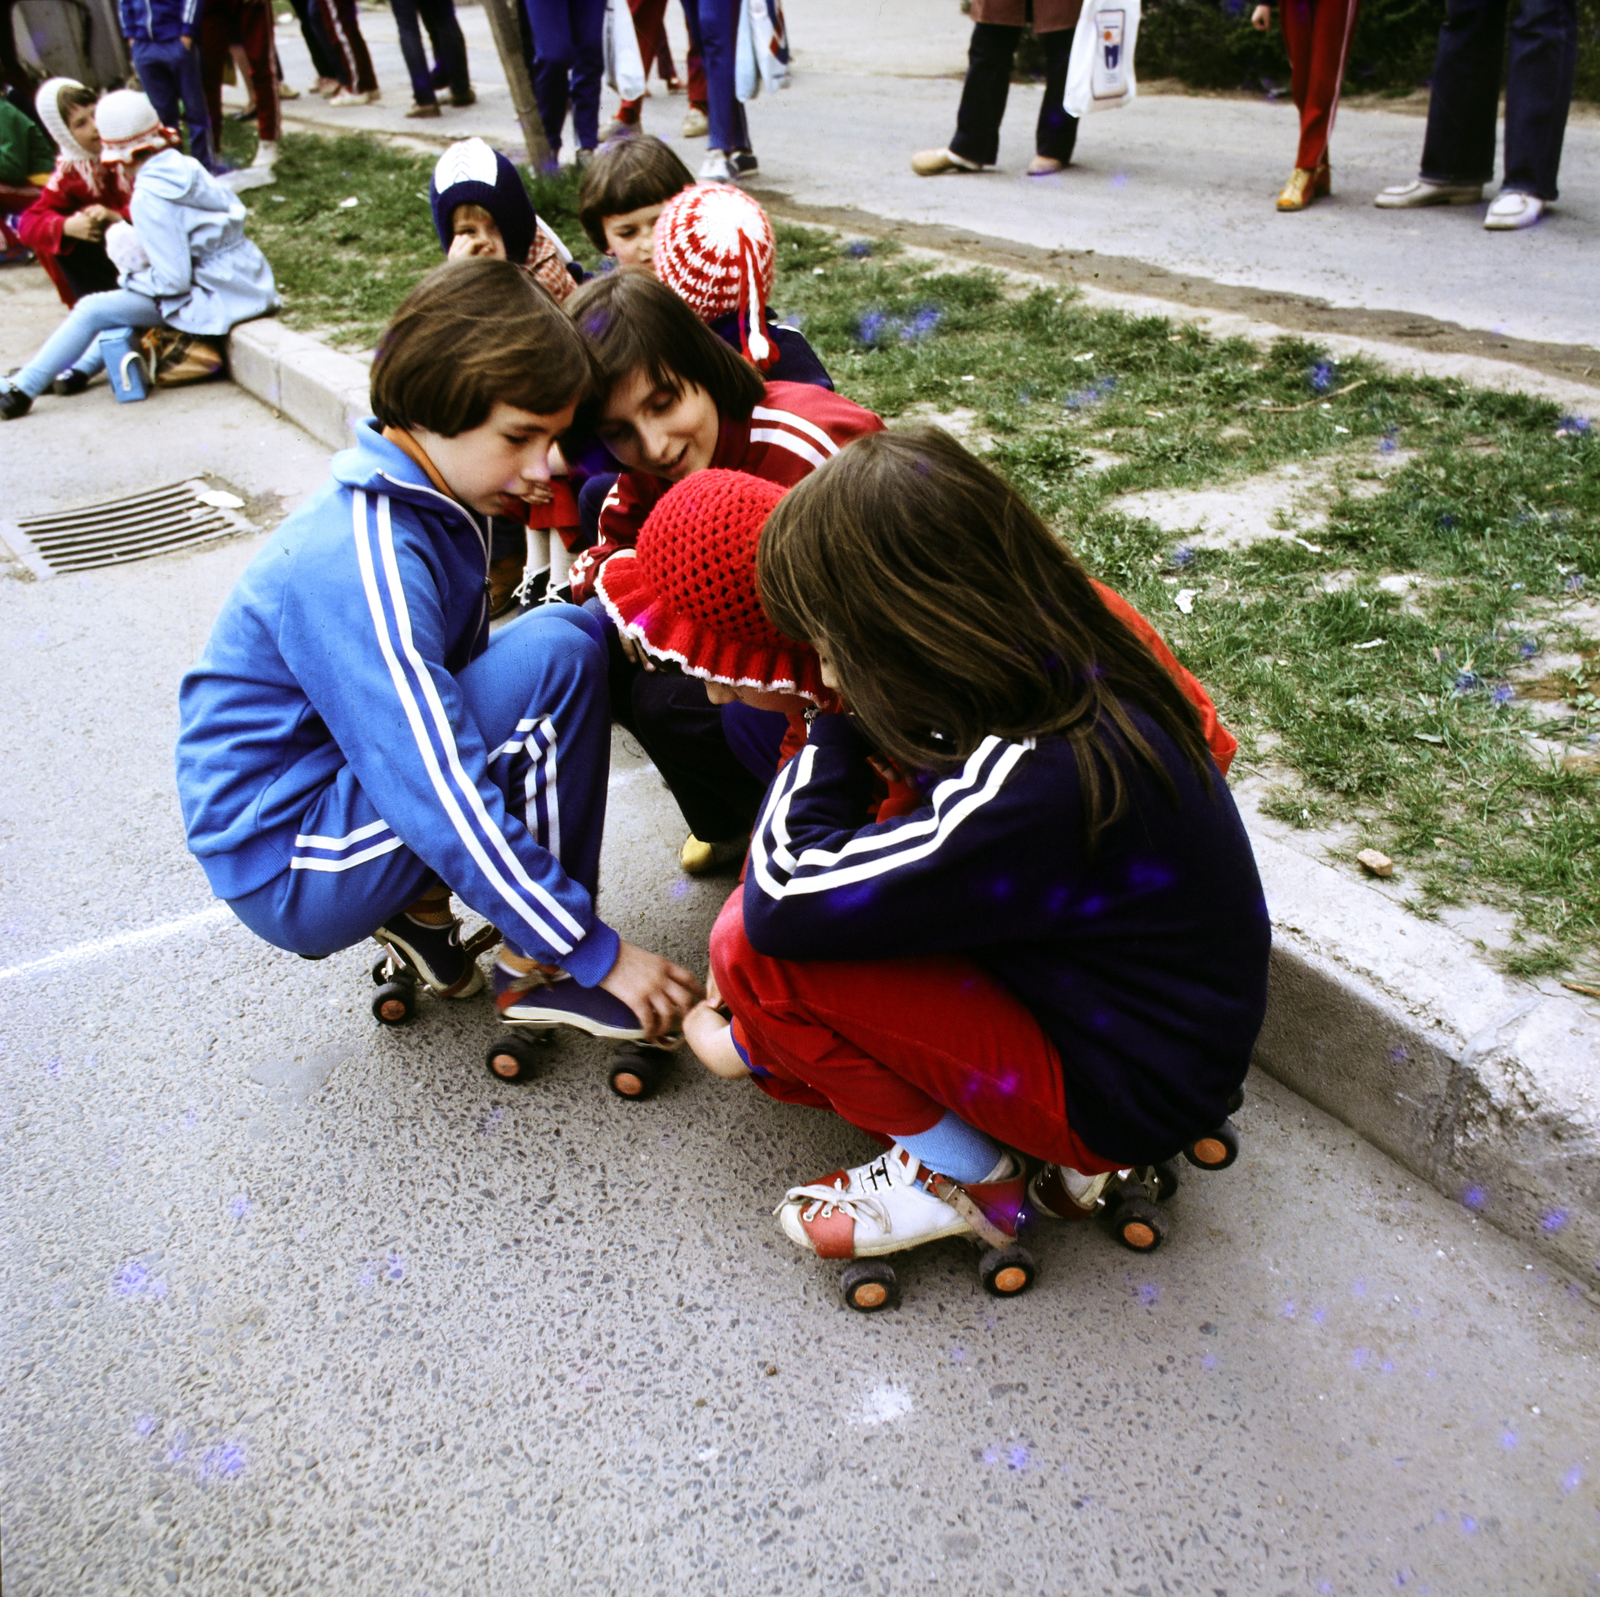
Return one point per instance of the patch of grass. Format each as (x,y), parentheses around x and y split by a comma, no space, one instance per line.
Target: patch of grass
(1418,739)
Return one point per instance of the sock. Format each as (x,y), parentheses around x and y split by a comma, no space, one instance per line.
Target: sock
(957,1150)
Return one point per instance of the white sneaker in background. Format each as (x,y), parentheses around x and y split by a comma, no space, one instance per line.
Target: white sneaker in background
(717,169)
(1419,191)
(695,124)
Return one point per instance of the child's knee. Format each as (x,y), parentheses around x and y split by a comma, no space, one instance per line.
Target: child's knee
(735,964)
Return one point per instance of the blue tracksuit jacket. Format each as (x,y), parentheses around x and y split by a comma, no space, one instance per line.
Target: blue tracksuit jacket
(159,21)
(1145,961)
(339,645)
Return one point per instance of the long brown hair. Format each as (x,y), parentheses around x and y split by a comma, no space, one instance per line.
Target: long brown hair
(953,613)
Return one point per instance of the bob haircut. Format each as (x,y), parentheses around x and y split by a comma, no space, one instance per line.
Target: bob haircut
(75,97)
(630,172)
(472,334)
(953,613)
(632,323)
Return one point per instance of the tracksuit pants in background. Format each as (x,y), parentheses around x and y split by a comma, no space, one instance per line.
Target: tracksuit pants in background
(891,1044)
(1316,33)
(169,74)
(538,696)
(568,64)
(983,96)
(323,57)
(716,39)
(250,23)
(342,29)
(1459,147)
(444,32)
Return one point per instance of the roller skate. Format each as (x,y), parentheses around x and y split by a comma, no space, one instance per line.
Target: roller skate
(532,1003)
(1128,1199)
(415,951)
(893,1204)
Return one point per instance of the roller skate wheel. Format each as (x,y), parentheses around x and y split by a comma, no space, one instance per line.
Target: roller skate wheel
(514,1057)
(1007,1272)
(635,1073)
(1162,1180)
(869,1286)
(1139,1225)
(1216,1150)
(394,1003)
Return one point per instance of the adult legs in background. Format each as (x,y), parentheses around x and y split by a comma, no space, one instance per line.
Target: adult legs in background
(588,69)
(649,17)
(552,66)
(718,41)
(418,68)
(171,76)
(89,318)
(1316,33)
(983,96)
(537,694)
(343,28)
(697,61)
(450,46)
(1459,146)
(1539,77)
(1055,136)
(892,1045)
(324,60)
(249,23)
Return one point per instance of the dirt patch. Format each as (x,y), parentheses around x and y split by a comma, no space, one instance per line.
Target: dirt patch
(1289,502)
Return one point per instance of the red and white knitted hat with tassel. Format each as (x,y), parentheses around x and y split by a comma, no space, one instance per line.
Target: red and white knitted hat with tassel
(714,249)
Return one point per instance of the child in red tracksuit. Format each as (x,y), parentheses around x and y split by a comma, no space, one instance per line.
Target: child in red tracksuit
(676,400)
(1005,903)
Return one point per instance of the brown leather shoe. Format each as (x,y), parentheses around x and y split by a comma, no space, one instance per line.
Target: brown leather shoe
(505,576)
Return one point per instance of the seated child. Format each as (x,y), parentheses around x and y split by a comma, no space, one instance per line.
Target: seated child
(65,227)
(203,275)
(622,193)
(352,744)
(481,209)
(1050,938)
(673,399)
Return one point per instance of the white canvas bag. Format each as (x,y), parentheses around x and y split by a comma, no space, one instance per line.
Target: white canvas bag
(624,66)
(761,56)
(1100,71)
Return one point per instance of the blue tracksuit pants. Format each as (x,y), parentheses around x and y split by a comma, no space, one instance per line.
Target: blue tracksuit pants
(568,64)
(170,74)
(538,695)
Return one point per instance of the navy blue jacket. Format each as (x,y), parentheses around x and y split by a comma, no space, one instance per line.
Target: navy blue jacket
(159,21)
(1144,961)
(797,361)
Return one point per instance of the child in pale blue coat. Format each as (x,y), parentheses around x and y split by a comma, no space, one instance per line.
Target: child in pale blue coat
(200,274)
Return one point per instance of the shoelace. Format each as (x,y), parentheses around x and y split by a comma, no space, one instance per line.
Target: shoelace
(539,976)
(899,1166)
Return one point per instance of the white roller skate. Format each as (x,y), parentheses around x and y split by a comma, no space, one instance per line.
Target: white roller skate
(894,1203)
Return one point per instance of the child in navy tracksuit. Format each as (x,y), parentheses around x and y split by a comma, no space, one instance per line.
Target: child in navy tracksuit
(162,36)
(353,746)
(1005,903)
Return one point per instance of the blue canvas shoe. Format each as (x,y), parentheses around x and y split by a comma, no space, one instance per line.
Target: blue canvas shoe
(548,996)
(435,953)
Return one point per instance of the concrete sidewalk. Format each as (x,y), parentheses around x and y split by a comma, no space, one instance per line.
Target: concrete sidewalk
(1171,196)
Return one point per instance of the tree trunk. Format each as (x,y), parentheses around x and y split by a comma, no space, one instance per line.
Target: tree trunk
(508,41)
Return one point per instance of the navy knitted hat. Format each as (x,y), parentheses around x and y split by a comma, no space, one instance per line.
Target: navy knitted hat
(471,173)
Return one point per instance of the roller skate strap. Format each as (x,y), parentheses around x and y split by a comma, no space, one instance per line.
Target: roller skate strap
(959,1199)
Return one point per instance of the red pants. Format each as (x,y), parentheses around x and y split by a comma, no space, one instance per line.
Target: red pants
(891,1044)
(1317,34)
(246,22)
(650,24)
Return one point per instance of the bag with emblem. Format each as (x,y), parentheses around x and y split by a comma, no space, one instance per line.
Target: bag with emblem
(175,358)
(1100,70)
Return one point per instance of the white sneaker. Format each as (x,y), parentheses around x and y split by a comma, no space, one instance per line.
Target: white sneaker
(717,169)
(1419,191)
(266,154)
(930,163)
(1513,210)
(696,125)
(356,97)
(878,1208)
(245,178)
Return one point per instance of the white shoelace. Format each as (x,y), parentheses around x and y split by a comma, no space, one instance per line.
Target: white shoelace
(900,1168)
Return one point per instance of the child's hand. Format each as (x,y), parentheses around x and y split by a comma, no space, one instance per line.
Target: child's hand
(632,648)
(655,989)
(1261,18)
(465,245)
(539,493)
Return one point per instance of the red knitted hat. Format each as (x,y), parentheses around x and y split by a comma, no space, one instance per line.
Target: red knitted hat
(687,590)
(714,249)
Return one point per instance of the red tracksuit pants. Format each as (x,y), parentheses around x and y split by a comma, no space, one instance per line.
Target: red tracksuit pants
(891,1044)
(249,22)
(1317,35)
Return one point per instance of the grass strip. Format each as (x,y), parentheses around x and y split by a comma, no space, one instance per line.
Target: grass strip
(1427,718)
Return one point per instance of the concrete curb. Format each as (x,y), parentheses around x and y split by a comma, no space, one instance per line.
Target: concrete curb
(319,389)
(1484,1087)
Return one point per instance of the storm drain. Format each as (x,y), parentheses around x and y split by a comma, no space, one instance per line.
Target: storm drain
(137,527)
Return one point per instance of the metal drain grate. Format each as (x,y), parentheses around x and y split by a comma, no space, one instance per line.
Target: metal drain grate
(135,528)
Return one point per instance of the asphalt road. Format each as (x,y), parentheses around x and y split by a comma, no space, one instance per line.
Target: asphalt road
(297,1303)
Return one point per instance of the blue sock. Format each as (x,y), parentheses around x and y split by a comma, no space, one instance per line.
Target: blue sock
(955,1149)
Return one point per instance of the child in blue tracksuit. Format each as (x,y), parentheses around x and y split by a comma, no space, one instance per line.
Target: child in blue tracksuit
(353,746)
(162,36)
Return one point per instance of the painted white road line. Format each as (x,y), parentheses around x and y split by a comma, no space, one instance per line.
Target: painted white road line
(112,945)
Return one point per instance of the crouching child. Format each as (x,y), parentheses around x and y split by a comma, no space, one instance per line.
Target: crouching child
(353,746)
